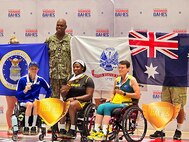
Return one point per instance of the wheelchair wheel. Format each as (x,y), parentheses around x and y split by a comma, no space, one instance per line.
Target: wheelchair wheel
(134,124)
(54,137)
(41,137)
(84,139)
(89,118)
(14,137)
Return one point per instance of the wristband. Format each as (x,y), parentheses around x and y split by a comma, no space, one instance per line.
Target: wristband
(124,94)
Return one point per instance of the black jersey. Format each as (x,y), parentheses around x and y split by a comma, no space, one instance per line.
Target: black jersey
(79,86)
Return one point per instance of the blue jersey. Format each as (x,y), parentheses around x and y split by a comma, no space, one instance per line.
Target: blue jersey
(32,94)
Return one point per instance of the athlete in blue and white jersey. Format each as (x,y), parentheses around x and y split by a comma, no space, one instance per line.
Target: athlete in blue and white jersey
(27,91)
(33,93)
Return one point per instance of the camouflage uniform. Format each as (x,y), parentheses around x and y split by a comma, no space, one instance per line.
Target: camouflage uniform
(60,62)
(174,95)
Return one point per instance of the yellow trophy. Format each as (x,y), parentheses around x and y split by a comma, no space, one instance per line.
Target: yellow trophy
(51,110)
(159,114)
(13,40)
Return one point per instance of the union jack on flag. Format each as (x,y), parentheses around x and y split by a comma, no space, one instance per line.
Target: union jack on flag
(160,58)
(153,42)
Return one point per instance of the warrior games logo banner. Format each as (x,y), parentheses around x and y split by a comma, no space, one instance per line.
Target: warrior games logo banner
(14,61)
(101,55)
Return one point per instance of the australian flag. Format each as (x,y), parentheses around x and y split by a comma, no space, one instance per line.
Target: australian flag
(14,61)
(160,58)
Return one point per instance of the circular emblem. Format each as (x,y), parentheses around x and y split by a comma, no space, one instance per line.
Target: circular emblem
(13,65)
(108,59)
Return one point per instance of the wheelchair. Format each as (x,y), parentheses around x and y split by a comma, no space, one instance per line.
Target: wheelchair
(18,122)
(128,120)
(84,122)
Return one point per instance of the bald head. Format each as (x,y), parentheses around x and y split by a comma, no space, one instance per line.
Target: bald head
(61,26)
(62,20)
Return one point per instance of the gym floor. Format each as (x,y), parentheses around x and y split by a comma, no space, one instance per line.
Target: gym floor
(4,137)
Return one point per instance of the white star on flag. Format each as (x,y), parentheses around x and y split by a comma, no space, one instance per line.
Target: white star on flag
(151,71)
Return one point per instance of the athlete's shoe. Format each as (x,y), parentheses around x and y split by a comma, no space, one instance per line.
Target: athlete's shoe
(100,136)
(177,135)
(92,135)
(33,130)
(26,131)
(157,134)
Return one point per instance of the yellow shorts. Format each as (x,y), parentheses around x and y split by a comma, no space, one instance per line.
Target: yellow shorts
(82,104)
(174,95)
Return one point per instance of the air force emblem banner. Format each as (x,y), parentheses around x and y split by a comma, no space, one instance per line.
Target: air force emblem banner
(14,60)
(101,55)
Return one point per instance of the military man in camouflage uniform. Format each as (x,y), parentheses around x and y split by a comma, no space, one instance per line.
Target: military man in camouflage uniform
(60,60)
(60,57)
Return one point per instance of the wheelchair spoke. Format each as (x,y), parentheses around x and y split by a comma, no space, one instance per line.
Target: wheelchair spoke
(134,124)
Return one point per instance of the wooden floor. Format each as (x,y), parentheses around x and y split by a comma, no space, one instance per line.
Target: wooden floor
(23,138)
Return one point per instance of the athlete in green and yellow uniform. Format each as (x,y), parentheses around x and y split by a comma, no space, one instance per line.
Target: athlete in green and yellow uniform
(126,88)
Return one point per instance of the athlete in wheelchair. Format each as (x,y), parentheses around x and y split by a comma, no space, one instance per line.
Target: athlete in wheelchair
(119,112)
(27,91)
(79,91)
